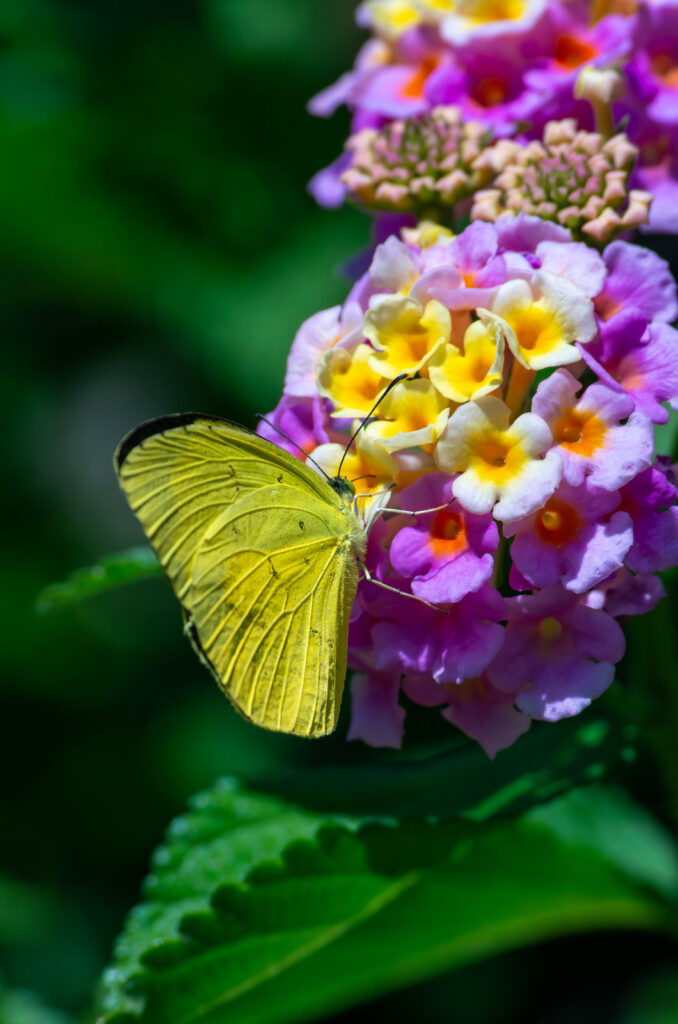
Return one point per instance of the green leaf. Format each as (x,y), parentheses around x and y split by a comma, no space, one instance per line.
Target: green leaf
(258,913)
(608,821)
(666,435)
(226,832)
(109,572)
(550,759)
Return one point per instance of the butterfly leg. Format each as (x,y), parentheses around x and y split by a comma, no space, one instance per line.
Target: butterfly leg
(418,512)
(368,494)
(394,590)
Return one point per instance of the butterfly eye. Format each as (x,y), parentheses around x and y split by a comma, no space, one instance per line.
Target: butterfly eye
(342,486)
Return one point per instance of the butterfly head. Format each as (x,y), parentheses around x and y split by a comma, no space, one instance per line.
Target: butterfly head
(343,487)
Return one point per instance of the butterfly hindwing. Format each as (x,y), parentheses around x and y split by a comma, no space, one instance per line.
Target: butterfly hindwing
(271,592)
(266,600)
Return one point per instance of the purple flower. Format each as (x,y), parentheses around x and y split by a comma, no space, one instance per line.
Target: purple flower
(571,43)
(411,89)
(450,645)
(475,252)
(370,59)
(642,362)
(297,425)
(558,655)
(574,260)
(657,168)
(474,706)
(650,501)
(446,554)
(491,87)
(577,538)
(588,432)
(653,71)
(524,232)
(326,185)
(376,717)
(626,594)
(321,331)
(636,279)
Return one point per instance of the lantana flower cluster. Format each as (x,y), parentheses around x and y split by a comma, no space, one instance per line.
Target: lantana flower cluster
(513,67)
(515,504)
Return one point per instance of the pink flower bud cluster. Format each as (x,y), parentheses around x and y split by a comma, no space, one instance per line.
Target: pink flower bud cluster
(573,177)
(416,163)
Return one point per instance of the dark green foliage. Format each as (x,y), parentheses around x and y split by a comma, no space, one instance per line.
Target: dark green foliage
(258,912)
(110,571)
(550,760)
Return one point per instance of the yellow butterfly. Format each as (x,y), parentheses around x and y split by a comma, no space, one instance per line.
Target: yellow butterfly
(264,556)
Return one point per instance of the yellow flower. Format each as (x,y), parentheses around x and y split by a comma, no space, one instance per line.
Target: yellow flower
(475,371)
(412,414)
(426,234)
(391,18)
(404,334)
(347,379)
(499,463)
(544,319)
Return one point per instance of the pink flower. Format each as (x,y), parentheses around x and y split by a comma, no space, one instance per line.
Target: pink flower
(558,655)
(577,538)
(376,717)
(650,501)
(588,432)
(446,554)
(626,594)
(636,279)
(296,424)
(451,645)
(642,362)
(321,331)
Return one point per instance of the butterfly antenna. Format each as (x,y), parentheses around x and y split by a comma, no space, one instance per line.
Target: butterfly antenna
(303,451)
(363,423)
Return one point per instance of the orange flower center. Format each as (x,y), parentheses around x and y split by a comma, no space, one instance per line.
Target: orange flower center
(413,89)
(448,536)
(557,522)
(571,52)
(666,70)
(489,92)
(582,433)
(605,306)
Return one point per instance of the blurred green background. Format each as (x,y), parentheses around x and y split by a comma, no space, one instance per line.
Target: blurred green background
(159,250)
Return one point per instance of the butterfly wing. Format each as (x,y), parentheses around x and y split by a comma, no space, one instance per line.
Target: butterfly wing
(179,473)
(266,601)
(271,592)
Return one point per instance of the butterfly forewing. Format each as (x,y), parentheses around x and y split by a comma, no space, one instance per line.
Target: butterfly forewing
(270,596)
(266,600)
(179,473)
